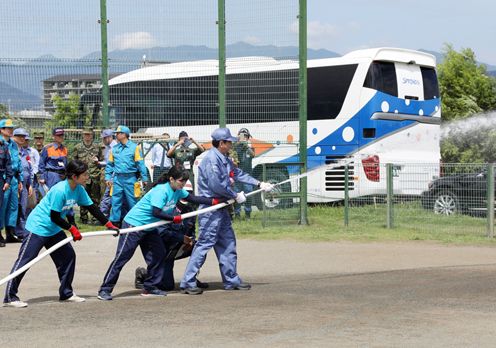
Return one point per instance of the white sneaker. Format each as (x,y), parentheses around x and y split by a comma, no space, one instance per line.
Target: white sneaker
(74,298)
(15,304)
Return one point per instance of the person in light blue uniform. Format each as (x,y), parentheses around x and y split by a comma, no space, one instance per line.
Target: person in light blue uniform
(124,164)
(158,204)
(108,143)
(20,135)
(6,175)
(45,224)
(9,209)
(216,173)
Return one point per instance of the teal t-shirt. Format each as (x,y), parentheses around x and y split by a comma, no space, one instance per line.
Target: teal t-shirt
(161,196)
(60,198)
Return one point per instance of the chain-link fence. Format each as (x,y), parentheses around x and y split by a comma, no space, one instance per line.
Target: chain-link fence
(459,201)
(163,64)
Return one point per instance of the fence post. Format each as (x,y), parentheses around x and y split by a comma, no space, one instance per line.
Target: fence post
(221,22)
(346,195)
(490,200)
(390,197)
(302,98)
(104,73)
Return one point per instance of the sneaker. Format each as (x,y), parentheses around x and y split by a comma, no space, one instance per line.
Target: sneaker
(104,295)
(192,291)
(154,292)
(15,304)
(2,244)
(242,286)
(74,298)
(201,285)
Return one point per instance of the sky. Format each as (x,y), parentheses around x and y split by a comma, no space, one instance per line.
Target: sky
(69,29)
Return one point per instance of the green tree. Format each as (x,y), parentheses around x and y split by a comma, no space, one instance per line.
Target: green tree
(465,87)
(66,110)
(3,111)
(466,90)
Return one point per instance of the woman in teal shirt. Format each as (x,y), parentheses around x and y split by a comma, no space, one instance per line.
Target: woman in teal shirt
(46,232)
(158,204)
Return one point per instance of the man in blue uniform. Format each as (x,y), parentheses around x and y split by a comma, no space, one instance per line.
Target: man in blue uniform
(215,230)
(125,164)
(5,173)
(20,135)
(53,160)
(8,212)
(108,143)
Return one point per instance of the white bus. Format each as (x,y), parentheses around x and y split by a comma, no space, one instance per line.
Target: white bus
(366,108)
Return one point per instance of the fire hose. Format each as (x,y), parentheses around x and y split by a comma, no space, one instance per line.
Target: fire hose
(133,229)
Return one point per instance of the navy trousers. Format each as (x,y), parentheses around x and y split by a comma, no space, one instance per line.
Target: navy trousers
(150,244)
(64,259)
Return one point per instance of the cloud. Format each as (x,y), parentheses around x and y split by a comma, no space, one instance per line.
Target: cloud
(252,40)
(319,35)
(139,39)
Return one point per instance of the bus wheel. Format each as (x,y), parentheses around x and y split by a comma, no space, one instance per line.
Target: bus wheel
(271,201)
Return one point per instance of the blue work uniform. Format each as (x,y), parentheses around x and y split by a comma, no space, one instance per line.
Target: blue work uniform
(45,233)
(163,197)
(6,173)
(9,209)
(28,176)
(215,229)
(124,164)
(106,201)
(53,160)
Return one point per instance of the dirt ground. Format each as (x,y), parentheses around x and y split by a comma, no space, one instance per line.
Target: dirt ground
(304,294)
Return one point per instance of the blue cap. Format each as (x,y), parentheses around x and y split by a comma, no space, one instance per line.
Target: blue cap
(58,131)
(107,133)
(6,123)
(21,132)
(223,134)
(123,129)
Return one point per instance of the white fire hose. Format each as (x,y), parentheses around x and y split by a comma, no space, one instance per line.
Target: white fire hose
(131,229)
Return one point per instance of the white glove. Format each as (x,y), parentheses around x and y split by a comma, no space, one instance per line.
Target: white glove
(266,186)
(240,197)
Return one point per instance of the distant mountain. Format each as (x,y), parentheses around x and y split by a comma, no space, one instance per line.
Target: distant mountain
(16,99)
(185,53)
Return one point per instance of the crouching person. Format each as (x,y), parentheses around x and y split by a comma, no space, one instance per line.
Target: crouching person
(44,226)
(178,241)
(158,204)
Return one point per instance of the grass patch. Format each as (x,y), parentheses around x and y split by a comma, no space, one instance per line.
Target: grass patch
(367,223)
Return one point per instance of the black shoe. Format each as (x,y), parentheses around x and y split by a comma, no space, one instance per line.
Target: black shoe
(242,286)
(201,285)
(247,216)
(192,291)
(2,240)
(84,221)
(139,277)
(2,245)
(11,237)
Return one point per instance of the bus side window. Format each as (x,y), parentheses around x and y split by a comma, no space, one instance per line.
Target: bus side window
(382,77)
(429,80)
(327,89)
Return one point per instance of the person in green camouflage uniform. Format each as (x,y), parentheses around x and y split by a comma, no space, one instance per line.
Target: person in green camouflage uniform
(91,153)
(184,153)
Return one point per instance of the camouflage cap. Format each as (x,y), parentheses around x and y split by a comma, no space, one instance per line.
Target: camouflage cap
(39,134)
(87,130)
